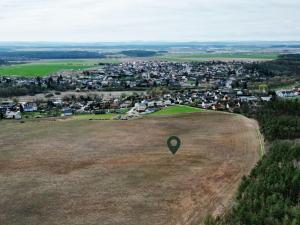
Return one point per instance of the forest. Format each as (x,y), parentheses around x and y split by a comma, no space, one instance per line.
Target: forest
(280,119)
(270,195)
(139,53)
(285,64)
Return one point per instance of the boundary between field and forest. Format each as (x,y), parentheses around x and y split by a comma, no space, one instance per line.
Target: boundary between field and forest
(276,176)
(261,143)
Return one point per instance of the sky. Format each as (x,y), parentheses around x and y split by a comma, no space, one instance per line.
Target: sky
(149,20)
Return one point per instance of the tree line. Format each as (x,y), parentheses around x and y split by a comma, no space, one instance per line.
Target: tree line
(270,195)
(3,62)
(138,53)
(8,89)
(285,64)
(280,119)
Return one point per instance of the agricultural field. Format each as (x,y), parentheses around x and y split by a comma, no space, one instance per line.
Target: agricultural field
(121,172)
(219,56)
(47,67)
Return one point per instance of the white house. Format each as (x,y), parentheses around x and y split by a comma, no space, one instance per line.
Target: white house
(13,115)
(139,107)
(286,94)
(168,102)
(151,104)
(57,102)
(159,103)
(266,99)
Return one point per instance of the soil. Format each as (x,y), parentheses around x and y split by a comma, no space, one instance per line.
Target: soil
(121,172)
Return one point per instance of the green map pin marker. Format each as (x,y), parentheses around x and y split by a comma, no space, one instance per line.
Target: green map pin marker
(173,144)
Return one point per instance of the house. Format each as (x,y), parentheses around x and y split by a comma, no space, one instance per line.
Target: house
(168,102)
(159,103)
(150,110)
(132,113)
(145,102)
(57,102)
(140,107)
(151,104)
(67,112)
(286,94)
(205,105)
(125,104)
(266,99)
(239,93)
(13,115)
(248,98)
(8,105)
(29,106)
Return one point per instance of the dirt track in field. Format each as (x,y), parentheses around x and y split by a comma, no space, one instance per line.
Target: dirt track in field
(121,172)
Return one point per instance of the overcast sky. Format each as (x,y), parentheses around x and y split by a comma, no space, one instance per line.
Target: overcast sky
(149,20)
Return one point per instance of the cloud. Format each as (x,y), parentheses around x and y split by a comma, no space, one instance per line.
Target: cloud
(149,20)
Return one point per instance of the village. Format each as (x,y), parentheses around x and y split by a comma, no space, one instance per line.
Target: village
(225,86)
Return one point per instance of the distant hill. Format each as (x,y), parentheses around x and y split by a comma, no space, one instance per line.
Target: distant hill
(28,55)
(138,53)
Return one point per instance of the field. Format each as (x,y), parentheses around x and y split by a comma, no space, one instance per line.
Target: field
(46,67)
(121,172)
(220,56)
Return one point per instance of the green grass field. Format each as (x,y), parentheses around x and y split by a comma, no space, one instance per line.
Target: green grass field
(286,86)
(178,109)
(44,68)
(199,57)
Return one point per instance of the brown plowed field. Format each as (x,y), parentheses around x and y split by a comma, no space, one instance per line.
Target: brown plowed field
(121,172)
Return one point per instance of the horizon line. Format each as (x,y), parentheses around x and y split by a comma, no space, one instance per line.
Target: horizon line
(150,42)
